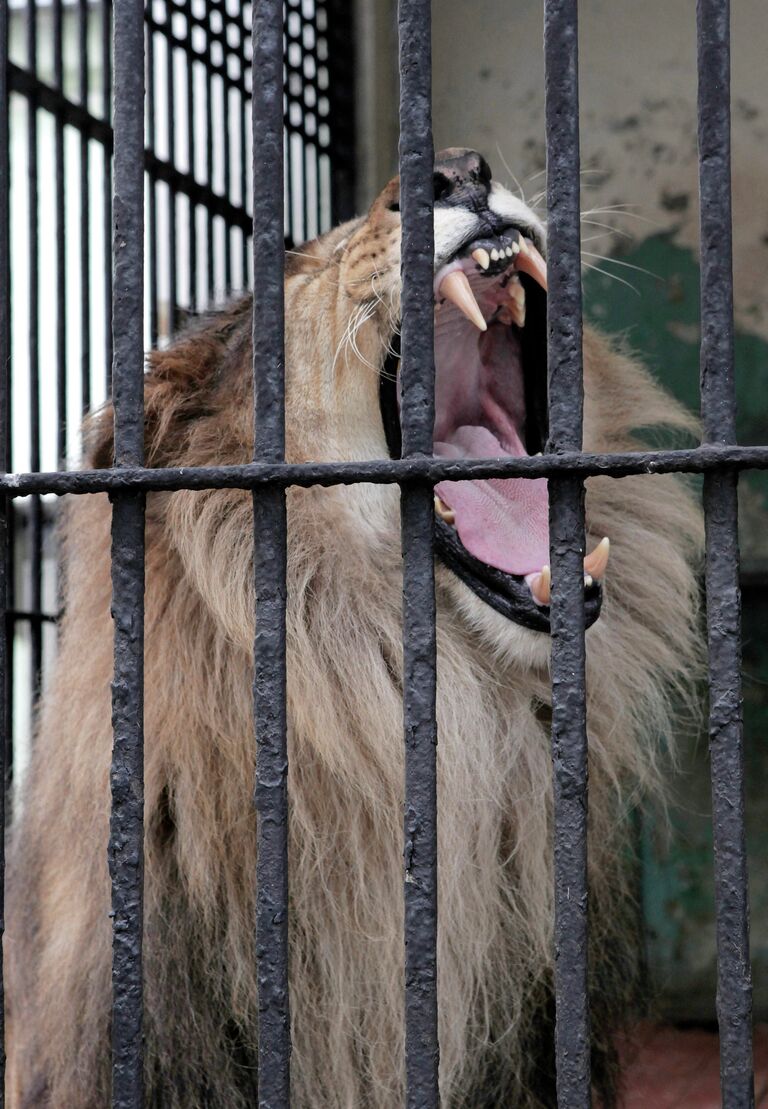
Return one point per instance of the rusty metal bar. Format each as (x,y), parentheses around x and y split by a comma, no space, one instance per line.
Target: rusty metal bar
(269,517)
(417,513)
(566,523)
(126,844)
(723,595)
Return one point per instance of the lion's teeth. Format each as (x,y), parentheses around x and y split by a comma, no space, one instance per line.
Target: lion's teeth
(596,563)
(509,252)
(540,585)
(456,288)
(494,255)
(531,262)
(482,257)
(444,511)
(588,581)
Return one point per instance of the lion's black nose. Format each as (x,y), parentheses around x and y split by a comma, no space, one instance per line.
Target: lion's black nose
(461,178)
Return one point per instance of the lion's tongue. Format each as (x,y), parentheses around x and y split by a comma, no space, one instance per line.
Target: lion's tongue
(503,522)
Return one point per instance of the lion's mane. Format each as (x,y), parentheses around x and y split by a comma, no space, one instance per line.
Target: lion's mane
(346,753)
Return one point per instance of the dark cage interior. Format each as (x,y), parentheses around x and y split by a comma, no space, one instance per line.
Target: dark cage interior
(184,205)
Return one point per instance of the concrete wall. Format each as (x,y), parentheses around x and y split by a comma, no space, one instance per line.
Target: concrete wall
(638,120)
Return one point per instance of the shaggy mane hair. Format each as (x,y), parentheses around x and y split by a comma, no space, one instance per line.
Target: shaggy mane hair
(345,746)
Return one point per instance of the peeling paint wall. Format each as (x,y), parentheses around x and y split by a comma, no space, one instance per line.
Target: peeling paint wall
(638,120)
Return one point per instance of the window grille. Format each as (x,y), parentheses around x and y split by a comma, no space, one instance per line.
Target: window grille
(197,235)
(268,476)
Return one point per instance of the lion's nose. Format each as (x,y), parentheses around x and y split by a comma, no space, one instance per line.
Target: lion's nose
(461,177)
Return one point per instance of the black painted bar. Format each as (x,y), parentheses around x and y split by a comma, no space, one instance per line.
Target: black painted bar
(106,86)
(422,1053)
(153,260)
(33,252)
(723,596)
(566,522)
(127,778)
(61,261)
(84,290)
(6,508)
(170,108)
(269,514)
(7,597)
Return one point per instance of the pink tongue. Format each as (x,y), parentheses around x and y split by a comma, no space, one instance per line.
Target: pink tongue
(503,522)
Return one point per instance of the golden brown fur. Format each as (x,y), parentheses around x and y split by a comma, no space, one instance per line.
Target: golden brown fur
(346,763)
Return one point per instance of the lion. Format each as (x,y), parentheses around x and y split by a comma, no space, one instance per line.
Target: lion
(495,944)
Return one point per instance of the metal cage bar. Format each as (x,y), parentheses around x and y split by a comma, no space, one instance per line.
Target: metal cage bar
(723,596)
(126,847)
(5,505)
(269,522)
(566,525)
(416,473)
(417,531)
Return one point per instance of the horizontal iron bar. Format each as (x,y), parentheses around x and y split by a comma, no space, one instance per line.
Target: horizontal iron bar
(697,460)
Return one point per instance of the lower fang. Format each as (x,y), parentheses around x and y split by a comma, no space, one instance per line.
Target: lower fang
(444,512)
(595,564)
(540,585)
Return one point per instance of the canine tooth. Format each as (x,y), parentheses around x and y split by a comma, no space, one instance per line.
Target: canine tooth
(595,563)
(444,511)
(456,288)
(482,257)
(541,585)
(531,262)
(516,294)
(494,255)
(517,312)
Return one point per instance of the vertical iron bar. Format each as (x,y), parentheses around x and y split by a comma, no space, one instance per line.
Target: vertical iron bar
(190,110)
(127,778)
(566,521)
(154,262)
(6,640)
(341,113)
(269,514)
(33,253)
(61,266)
(209,176)
(170,108)
(417,516)
(84,291)
(106,66)
(718,410)
(7,585)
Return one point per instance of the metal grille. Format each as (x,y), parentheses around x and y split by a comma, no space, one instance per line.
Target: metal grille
(198,193)
(268,476)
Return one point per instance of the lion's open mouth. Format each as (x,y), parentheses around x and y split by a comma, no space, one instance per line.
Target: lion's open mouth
(491,402)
